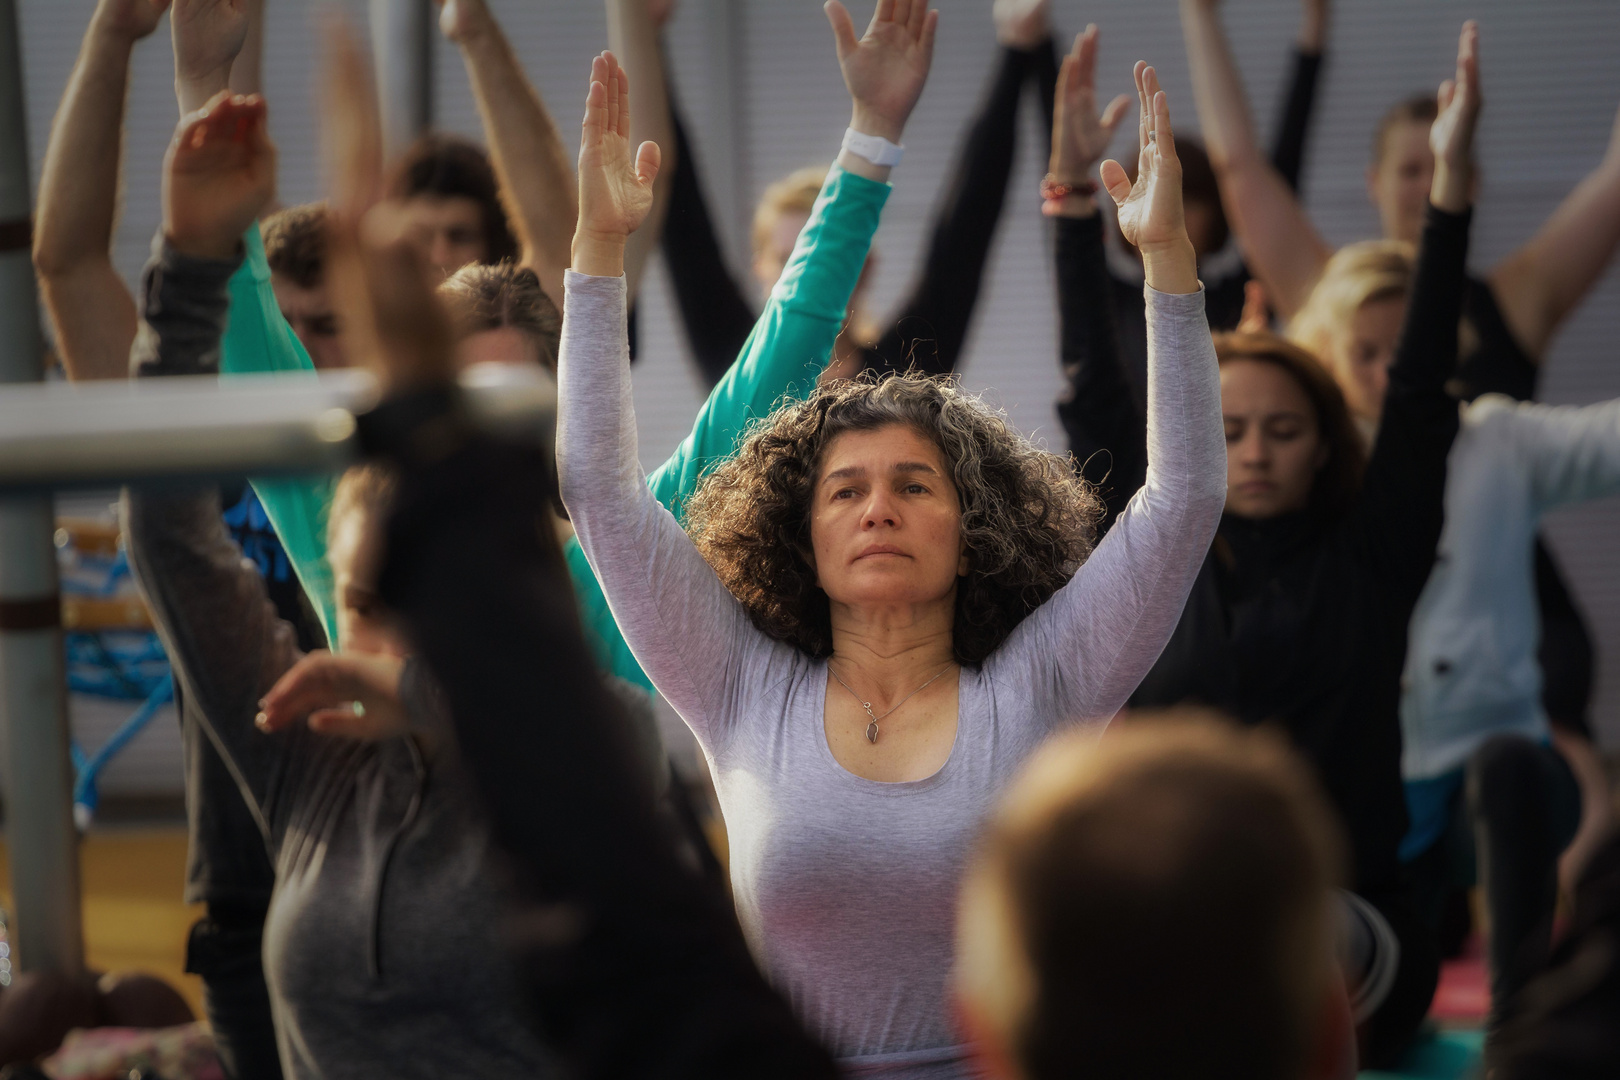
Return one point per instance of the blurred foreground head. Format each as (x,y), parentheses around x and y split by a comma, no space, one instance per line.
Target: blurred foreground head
(1155,904)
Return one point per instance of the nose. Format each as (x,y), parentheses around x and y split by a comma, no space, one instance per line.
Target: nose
(1254,451)
(440,252)
(880,511)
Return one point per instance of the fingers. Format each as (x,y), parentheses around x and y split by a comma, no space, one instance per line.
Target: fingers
(843,27)
(611,83)
(1116,111)
(649,159)
(883,14)
(1444,96)
(1165,138)
(1085,52)
(595,124)
(929,29)
(919,16)
(1468,60)
(1116,181)
(314,682)
(623,77)
(1142,104)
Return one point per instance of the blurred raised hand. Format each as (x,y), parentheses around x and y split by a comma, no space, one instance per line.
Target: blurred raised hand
(381,287)
(462,20)
(219,174)
(1150,210)
(208,35)
(1022,24)
(660,12)
(323,689)
(129,19)
(885,68)
(1452,135)
(615,188)
(1080,135)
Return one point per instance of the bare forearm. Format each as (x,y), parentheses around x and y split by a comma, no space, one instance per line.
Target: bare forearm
(78,188)
(535,171)
(1223,109)
(634,40)
(247,72)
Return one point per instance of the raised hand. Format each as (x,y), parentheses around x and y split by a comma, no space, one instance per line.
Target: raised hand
(615,191)
(208,35)
(460,20)
(1022,24)
(1150,212)
(660,12)
(886,68)
(323,689)
(1080,137)
(219,175)
(130,19)
(1452,135)
(382,289)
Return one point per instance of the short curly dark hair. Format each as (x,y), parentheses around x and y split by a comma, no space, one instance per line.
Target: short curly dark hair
(295,244)
(1028,521)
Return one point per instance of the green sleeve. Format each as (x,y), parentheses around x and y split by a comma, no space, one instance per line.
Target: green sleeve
(793,338)
(785,353)
(257,340)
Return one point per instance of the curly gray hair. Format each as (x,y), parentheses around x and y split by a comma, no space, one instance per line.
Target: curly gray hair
(1028,521)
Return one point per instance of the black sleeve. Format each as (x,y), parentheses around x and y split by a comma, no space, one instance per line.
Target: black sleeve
(1288,153)
(1107,429)
(714,309)
(933,322)
(1401,509)
(652,977)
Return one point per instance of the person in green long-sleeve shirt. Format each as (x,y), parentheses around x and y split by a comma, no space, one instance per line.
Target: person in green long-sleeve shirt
(786,352)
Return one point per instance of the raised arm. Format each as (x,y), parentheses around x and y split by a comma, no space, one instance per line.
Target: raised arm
(1280,244)
(931,325)
(210,605)
(1107,430)
(208,38)
(89,305)
(1123,604)
(1299,100)
(633,27)
(1540,284)
(1400,512)
(535,174)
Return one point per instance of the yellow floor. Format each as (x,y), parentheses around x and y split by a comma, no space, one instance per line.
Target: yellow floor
(134,920)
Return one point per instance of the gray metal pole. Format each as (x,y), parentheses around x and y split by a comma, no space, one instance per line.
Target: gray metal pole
(200,427)
(33,696)
(402,34)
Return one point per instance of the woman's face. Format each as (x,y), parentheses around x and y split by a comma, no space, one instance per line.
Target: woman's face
(1363,353)
(885,524)
(364,625)
(1274,446)
(1398,182)
(447,229)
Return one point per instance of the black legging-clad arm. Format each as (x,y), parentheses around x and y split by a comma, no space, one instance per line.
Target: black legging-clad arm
(635,966)
(1106,427)
(1288,152)
(1401,508)
(932,324)
(716,315)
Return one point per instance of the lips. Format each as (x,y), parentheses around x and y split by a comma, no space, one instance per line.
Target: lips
(880,549)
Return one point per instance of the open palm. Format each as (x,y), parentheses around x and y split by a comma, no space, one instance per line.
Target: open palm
(615,188)
(885,68)
(1080,136)
(1150,212)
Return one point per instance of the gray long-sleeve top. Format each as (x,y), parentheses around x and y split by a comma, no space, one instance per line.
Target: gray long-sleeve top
(381,947)
(846,887)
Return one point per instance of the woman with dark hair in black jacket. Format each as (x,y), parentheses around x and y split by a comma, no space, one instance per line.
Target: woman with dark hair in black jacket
(1299,615)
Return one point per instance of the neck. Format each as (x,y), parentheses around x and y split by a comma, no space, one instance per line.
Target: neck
(891,649)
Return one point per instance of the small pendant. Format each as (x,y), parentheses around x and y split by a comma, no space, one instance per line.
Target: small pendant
(871,732)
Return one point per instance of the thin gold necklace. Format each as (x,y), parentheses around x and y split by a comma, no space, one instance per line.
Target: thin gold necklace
(872,728)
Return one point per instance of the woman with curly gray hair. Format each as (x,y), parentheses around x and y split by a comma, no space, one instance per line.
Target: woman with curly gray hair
(886,600)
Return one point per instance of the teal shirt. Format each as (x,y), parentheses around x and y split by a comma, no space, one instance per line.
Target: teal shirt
(787,350)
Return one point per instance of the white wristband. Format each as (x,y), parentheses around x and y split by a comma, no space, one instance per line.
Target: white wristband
(874,148)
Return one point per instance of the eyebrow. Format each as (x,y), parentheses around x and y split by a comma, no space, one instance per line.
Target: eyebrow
(900,468)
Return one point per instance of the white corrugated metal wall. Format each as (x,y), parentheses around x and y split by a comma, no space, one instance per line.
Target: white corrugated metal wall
(760,86)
